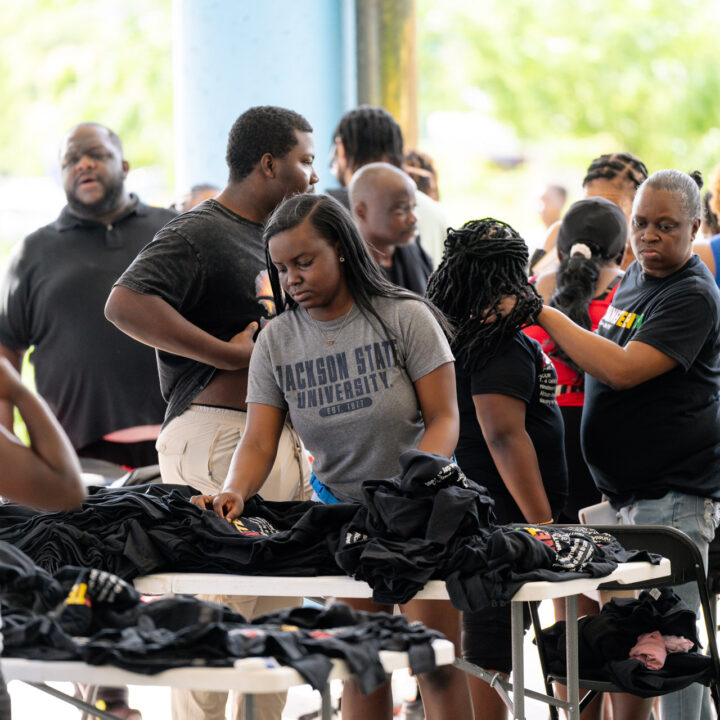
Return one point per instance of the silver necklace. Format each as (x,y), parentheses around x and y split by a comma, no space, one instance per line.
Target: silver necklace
(331,340)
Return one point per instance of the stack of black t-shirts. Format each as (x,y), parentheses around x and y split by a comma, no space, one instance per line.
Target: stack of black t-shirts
(431,522)
(154,528)
(605,641)
(489,569)
(405,531)
(44,616)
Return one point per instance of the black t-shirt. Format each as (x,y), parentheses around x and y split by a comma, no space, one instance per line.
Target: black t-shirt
(95,378)
(208,264)
(663,434)
(520,369)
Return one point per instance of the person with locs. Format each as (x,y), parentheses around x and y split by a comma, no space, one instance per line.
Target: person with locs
(511,430)
(348,352)
(651,422)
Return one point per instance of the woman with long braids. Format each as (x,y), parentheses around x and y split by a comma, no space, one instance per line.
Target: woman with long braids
(343,328)
(511,430)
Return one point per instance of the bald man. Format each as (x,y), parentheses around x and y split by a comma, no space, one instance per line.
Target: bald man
(382,199)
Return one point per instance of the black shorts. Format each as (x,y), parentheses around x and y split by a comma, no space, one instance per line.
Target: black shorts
(486,637)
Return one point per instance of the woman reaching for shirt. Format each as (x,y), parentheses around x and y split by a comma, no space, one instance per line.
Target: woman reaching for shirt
(651,422)
(511,430)
(365,372)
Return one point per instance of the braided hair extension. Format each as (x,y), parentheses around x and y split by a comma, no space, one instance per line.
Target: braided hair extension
(621,166)
(575,287)
(484,262)
(370,134)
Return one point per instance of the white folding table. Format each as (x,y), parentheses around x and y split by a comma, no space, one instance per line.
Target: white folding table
(346,587)
(249,676)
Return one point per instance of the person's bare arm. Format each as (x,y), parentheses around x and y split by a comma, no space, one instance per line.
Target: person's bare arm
(545,284)
(502,421)
(152,321)
(550,261)
(438,404)
(45,475)
(7,409)
(251,463)
(619,367)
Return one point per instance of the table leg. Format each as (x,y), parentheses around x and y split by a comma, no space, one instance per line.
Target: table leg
(572,657)
(249,706)
(326,703)
(518,660)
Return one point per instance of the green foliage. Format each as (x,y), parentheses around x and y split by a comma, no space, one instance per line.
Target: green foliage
(63,62)
(643,74)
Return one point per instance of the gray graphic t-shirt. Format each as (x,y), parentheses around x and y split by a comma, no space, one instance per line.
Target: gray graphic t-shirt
(353,402)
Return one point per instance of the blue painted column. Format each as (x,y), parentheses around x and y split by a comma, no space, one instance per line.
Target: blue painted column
(229,55)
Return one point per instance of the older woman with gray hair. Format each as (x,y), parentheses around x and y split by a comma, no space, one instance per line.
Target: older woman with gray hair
(651,423)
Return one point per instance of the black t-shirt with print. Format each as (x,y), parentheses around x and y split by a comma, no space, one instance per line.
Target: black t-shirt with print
(208,264)
(663,434)
(520,370)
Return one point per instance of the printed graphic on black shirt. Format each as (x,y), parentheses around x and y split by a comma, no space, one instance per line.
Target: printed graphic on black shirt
(254,527)
(339,382)
(547,382)
(621,318)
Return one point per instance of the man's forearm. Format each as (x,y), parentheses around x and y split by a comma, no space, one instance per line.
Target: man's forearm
(7,409)
(152,321)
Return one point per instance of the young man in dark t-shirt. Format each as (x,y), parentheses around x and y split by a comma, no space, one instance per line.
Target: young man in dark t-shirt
(198,294)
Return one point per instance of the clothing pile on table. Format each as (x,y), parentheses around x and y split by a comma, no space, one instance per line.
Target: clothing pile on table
(608,645)
(431,522)
(154,528)
(96,617)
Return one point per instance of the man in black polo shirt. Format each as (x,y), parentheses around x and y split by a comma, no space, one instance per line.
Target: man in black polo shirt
(101,385)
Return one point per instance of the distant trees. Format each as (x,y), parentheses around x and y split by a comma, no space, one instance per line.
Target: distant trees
(65,61)
(645,74)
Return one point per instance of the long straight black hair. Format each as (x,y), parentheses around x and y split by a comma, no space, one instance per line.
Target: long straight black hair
(334,224)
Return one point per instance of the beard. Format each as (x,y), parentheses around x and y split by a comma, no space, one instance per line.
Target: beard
(106,204)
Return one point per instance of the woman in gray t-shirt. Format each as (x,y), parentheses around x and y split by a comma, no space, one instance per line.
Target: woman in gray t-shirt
(365,372)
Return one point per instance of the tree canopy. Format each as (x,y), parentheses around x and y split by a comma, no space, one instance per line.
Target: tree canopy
(65,62)
(645,74)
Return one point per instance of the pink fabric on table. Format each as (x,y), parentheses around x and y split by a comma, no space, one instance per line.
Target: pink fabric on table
(677,643)
(650,650)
